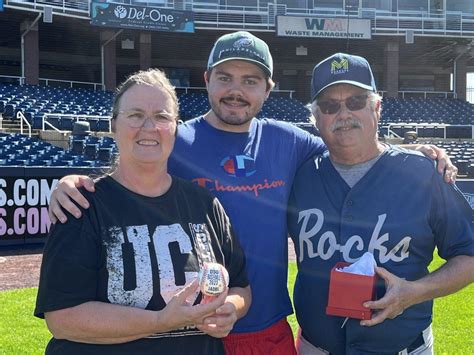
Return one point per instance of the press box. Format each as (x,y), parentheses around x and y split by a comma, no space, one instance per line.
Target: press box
(347,293)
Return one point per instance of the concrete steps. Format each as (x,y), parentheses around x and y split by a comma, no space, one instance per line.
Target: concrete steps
(8,126)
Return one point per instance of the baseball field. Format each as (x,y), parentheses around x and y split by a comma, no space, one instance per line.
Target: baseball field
(21,333)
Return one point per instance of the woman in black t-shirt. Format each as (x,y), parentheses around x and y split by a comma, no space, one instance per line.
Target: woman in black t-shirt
(122,279)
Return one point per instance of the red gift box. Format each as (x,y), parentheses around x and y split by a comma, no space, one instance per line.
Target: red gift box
(347,293)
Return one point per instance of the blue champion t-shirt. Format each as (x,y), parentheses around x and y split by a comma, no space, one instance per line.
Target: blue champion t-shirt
(251,173)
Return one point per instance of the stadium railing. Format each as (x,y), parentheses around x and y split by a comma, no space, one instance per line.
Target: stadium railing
(20,80)
(215,14)
(444,131)
(424,94)
(23,121)
(75,117)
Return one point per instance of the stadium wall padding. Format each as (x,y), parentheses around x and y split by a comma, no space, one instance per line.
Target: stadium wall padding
(25,195)
(24,200)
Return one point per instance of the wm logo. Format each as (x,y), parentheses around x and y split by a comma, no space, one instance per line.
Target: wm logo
(338,67)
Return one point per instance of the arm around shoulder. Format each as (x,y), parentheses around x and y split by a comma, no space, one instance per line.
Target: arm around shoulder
(63,195)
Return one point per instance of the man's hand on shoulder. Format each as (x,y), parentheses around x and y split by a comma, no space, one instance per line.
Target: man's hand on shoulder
(444,166)
(63,195)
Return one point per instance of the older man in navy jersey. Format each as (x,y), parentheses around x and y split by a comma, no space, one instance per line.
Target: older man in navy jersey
(363,195)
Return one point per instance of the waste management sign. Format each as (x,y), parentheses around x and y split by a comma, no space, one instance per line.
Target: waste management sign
(300,26)
(141,17)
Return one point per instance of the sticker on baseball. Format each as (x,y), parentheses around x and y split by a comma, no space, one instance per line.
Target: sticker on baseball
(213,279)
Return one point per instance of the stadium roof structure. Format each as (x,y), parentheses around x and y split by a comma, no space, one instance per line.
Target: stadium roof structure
(70,47)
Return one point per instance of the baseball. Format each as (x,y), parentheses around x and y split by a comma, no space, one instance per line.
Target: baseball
(213,279)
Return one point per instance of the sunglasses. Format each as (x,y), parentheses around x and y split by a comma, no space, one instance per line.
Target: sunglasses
(353,103)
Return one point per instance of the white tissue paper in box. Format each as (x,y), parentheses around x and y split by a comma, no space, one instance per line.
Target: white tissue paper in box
(364,266)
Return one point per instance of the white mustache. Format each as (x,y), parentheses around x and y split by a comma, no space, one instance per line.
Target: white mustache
(350,122)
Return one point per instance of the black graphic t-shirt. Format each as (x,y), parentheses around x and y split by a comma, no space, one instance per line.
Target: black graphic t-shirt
(138,251)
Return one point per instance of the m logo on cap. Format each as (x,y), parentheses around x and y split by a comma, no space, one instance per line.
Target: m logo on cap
(243,42)
(340,67)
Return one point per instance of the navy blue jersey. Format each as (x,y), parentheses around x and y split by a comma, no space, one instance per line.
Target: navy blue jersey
(401,210)
(251,173)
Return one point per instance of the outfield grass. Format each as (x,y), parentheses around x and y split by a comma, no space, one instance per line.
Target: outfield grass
(22,333)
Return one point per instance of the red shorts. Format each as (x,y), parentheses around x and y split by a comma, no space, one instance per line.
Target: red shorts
(275,340)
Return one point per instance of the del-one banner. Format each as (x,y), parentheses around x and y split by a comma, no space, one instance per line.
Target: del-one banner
(141,17)
(299,26)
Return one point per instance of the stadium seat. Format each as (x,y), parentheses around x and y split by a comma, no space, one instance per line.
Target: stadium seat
(53,120)
(9,111)
(66,123)
(463,166)
(90,151)
(104,125)
(470,171)
(77,146)
(61,163)
(94,124)
(104,154)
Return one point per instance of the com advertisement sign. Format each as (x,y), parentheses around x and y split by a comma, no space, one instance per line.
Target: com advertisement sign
(25,194)
(141,17)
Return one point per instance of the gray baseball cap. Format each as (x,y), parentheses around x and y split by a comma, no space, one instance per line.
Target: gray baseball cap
(244,46)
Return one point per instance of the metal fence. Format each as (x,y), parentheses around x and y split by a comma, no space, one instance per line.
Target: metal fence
(261,16)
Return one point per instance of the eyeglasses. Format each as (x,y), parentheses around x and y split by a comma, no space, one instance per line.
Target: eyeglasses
(136,119)
(353,103)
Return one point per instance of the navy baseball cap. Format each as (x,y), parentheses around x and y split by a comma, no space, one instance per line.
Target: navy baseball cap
(244,46)
(342,68)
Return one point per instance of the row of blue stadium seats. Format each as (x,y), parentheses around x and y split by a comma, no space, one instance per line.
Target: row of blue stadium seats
(431,131)
(281,108)
(66,123)
(429,110)
(16,149)
(35,101)
(54,162)
(460,152)
(60,101)
(16,139)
